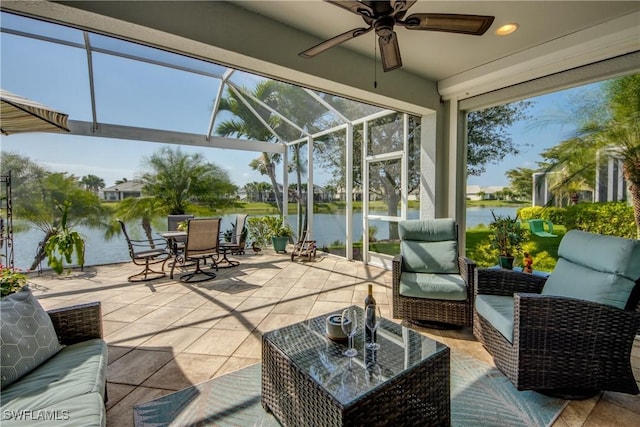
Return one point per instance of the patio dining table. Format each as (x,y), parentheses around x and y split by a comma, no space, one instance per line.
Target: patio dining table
(174,239)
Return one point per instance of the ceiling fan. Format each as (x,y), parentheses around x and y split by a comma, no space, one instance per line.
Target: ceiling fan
(381,16)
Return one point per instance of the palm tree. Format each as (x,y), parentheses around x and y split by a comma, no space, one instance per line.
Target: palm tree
(138,208)
(81,207)
(609,130)
(624,133)
(92,183)
(246,124)
(175,178)
(264,189)
(251,190)
(266,165)
(294,103)
(290,101)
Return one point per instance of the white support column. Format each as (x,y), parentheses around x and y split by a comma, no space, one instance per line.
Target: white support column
(349,192)
(456,171)
(404,168)
(428,126)
(365,193)
(310,188)
(285,184)
(452,161)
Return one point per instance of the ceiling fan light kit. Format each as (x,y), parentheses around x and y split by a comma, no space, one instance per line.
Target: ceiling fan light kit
(382,16)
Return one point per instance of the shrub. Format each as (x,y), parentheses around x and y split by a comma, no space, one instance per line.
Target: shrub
(258,230)
(555,215)
(611,218)
(530,213)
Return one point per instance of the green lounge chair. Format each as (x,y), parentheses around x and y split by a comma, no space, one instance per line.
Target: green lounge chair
(536,226)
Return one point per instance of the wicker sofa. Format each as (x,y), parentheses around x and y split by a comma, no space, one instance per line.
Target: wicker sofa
(68,388)
(570,334)
(431,284)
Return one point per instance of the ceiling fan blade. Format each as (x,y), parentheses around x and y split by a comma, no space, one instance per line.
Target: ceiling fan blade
(334,41)
(354,6)
(390,52)
(475,25)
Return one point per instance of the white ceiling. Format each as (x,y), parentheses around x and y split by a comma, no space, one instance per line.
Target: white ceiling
(437,55)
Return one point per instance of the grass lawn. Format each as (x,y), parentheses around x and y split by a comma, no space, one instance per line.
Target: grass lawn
(544,250)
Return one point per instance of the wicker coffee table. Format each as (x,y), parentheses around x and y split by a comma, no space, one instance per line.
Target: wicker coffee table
(306,381)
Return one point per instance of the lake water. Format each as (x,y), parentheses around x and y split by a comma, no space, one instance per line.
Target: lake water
(328,228)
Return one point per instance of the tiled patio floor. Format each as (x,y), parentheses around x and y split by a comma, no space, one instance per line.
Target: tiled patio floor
(165,335)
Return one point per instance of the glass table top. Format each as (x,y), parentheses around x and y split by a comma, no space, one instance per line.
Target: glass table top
(346,379)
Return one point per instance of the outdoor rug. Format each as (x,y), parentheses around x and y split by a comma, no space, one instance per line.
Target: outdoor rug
(480,396)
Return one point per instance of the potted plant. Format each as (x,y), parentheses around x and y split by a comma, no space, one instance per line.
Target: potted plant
(279,232)
(507,238)
(61,245)
(11,280)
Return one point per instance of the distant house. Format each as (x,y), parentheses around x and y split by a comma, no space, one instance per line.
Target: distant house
(122,191)
(611,186)
(477,192)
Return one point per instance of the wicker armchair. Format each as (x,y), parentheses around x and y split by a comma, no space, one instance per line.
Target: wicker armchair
(563,345)
(77,323)
(432,285)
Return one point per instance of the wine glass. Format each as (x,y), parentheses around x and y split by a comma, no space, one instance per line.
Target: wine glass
(348,384)
(349,325)
(372,321)
(373,374)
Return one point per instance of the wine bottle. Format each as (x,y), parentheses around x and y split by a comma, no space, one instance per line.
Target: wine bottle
(369,300)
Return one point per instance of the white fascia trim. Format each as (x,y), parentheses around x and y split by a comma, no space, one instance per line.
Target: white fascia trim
(614,38)
(103,130)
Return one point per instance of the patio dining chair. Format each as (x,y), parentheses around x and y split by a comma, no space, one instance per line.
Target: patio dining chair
(201,246)
(432,284)
(571,334)
(146,253)
(238,237)
(236,243)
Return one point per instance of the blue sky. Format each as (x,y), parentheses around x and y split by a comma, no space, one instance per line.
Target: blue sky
(140,94)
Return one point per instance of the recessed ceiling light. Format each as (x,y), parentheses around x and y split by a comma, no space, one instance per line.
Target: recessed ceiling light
(507,29)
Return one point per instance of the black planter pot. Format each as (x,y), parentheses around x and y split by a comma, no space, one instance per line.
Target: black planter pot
(506,262)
